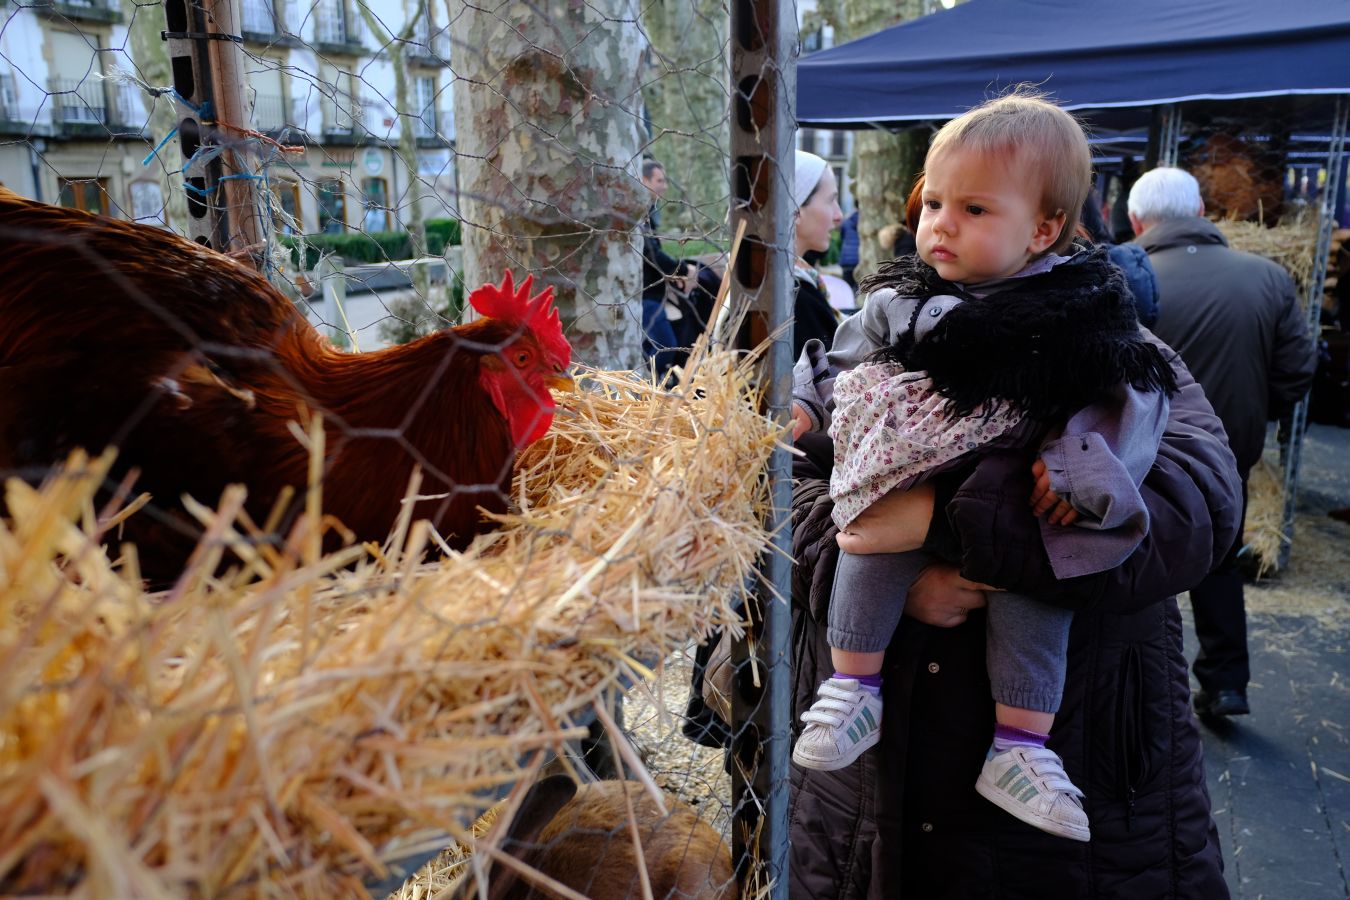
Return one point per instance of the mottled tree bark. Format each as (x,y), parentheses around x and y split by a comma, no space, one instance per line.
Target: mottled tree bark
(547,112)
(687,99)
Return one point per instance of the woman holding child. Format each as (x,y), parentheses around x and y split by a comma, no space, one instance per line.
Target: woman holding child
(1076,771)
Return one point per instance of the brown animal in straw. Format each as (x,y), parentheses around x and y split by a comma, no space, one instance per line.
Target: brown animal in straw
(580,837)
(197,370)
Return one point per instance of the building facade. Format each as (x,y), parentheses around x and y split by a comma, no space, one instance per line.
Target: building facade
(76,122)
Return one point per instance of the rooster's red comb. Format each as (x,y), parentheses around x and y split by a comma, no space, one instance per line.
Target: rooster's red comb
(536,313)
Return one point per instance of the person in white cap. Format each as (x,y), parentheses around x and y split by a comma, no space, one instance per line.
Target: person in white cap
(816,194)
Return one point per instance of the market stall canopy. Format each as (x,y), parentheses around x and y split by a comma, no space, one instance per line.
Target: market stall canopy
(1087,54)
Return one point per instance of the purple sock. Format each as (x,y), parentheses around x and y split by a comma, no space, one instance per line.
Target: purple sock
(871,683)
(1006,737)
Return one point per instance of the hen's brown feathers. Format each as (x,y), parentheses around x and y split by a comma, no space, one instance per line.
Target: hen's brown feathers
(193,365)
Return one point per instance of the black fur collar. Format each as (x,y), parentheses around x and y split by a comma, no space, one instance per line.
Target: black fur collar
(1049,344)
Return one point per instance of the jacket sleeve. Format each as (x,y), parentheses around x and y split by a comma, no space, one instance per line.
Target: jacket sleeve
(660,259)
(1133,261)
(1293,359)
(1192,493)
(878,324)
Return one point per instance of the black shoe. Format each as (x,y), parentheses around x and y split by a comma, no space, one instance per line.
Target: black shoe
(1231,702)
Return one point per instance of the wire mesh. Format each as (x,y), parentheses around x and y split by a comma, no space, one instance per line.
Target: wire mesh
(322,686)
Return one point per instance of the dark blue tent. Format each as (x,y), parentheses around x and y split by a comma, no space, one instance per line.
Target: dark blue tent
(1087,54)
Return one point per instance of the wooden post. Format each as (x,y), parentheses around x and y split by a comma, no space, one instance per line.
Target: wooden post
(208,79)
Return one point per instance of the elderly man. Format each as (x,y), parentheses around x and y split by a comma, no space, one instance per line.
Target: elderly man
(1236,321)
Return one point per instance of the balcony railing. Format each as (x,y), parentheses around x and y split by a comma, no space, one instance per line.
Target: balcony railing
(127,108)
(9,99)
(85,104)
(269,112)
(78,102)
(341,118)
(262,17)
(425,125)
(428,45)
(91,10)
(334,28)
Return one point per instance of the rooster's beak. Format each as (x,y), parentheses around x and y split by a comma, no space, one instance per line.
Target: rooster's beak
(559,382)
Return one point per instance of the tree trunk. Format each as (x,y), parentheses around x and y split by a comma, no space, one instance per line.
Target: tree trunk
(686,94)
(547,118)
(886,163)
(152,64)
(407,132)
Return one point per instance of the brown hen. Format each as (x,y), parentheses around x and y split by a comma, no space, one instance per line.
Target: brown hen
(194,367)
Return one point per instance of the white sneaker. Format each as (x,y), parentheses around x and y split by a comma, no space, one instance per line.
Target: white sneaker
(843,722)
(1029,783)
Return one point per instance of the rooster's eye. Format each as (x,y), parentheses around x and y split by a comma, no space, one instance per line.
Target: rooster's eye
(522,358)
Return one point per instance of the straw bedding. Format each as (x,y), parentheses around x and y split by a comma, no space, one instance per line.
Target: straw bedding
(290,726)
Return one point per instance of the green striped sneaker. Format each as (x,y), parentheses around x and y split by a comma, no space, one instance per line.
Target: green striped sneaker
(843,722)
(1029,783)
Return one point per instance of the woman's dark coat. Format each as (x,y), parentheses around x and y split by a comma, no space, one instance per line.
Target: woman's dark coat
(906,821)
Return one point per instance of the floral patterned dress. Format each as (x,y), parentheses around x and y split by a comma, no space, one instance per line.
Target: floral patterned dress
(890,428)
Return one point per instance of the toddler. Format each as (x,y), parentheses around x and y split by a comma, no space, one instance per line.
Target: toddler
(1001,333)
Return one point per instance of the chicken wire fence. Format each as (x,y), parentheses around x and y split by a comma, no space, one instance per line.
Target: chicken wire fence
(377,162)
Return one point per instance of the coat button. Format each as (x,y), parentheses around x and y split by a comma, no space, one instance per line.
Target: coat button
(927,826)
(933,668)
(1190,249)
(935,311)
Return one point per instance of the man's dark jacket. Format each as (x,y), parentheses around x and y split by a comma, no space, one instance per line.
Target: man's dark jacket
(905,821)
(1236,320)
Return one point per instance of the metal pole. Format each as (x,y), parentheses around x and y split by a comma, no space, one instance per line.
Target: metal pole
(1293,452)
(1169,139)
(208,78)
(763,123)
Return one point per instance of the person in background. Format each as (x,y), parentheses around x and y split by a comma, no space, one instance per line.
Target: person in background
(659,342)
(1236,321)
(848,248)
(1130,257)
(816,194)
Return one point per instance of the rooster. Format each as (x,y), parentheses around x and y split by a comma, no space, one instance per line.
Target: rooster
(197,369)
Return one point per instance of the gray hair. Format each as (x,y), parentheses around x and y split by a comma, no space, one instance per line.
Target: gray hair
(1165,193)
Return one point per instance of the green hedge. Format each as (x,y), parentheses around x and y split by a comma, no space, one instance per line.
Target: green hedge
(372,246)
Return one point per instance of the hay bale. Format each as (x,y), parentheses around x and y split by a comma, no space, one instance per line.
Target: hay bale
(289,727)
(1263,528)
(1292,244)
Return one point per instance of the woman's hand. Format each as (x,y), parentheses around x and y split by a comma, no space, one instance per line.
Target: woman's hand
(894,524)
(941,597)
(801,422)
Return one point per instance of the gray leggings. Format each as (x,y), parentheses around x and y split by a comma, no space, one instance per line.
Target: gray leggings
(1027,642)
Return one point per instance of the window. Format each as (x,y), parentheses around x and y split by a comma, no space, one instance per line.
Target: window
(269,106)
(286,211)
(341,111)
(147,202)
(838,143)
(332,207)
(375,196)
(808,140)
(426,106)
(88,194)
(77,91)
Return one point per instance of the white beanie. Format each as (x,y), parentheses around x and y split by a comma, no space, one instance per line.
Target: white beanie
(809,170)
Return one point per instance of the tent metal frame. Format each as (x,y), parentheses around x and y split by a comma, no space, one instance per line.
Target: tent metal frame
(1291,446)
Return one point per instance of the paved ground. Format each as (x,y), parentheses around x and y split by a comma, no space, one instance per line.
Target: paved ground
(1280,778)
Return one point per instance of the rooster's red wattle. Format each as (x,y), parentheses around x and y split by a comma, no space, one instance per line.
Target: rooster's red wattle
(194,366)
